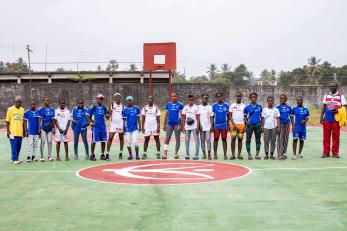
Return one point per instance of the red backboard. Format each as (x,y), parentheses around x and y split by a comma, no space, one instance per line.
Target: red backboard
(159,56)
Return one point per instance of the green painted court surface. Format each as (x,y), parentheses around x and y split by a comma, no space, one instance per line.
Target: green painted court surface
(303,194)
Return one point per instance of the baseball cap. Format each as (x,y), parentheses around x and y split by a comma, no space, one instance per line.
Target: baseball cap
(129,97)
(100,96)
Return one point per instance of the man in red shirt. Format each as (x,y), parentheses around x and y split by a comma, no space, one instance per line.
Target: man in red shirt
(331,128)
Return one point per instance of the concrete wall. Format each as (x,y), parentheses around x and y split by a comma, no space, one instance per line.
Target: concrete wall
(87,91)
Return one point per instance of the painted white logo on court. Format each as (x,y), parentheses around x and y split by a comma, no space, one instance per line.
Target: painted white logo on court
(195,171)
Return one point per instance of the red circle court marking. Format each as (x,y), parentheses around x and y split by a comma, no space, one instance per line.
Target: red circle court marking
(164,172)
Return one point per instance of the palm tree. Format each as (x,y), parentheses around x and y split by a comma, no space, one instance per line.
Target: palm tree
(225,67)
(212,71)
(313,69)
(113,65)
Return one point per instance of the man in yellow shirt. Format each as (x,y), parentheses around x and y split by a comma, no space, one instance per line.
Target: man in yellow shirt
(15,128)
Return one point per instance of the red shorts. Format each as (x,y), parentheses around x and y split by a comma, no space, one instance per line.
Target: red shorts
(223,133)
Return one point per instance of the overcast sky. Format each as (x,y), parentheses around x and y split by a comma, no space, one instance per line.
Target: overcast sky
(278,34)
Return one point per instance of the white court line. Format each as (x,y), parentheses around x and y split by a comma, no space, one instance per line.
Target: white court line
(254,169)
(299,169)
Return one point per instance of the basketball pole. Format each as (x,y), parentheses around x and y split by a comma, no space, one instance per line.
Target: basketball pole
(150,83)
(170,84)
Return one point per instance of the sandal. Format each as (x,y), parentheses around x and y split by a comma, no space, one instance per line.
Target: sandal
(164,157)
(250,158)
(232,158)
(257,158)
(266,157)
(294,157)
(272,157)
(240,157)
(176,157)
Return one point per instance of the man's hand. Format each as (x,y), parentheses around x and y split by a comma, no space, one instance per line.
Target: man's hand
(302,122)
(40,133)
(73,121)
(61,131)
(8,134)
(65,132)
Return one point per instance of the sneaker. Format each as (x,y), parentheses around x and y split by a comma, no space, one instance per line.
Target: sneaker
(86,157)
(28,159)
(294,157)
(158,156)
(144,156)
(187,158)
(102,157)
(266,157)
(120,156)
(137,157)
(67,158)
(176,157)
(50,159)
(240,157)
(75,157)
(130,157)
(92,157)
(42,160)
(17,162)
(272,157)
(203,156)
(107,157)
(195,158)
(33,158)
(57,159)
(301,156)
(324,156)
(232,157)
(336,156)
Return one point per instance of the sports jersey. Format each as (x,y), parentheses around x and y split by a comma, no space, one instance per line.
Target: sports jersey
(174,110)
(284,112)
(190,112)
(79,115)
(15,117)
(47,115)
(151,114)
(270,116)
(220,112)
(98,114)
(130,114)
(236,110)
(32,121)
(62,116)
(332,101)
(253,113)
(299,114)
(205,112)
(117,117)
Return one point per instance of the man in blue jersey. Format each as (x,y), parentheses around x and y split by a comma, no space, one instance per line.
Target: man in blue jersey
(46,114)
(131,116)
(31,128)
(283,136)
(299,118)
(252,114)
(97,116)
(172,123)
(219,124)
(79,126)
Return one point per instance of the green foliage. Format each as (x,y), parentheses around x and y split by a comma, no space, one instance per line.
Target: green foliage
(341,75)
(112,66)
(82,78)
(18,66)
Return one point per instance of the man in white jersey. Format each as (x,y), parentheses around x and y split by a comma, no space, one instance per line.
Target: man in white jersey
(237,125)
(116,124)
(62,123)
(205,111)
(150,125)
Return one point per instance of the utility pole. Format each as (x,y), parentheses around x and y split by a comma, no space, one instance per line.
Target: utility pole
(28,50)
(46,57)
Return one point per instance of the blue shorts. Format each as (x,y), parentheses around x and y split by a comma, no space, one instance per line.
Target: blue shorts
(299,135)
(99,135)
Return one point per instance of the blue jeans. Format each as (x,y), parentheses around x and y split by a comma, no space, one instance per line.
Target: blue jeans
(16,145)
(196,139)
(76,136)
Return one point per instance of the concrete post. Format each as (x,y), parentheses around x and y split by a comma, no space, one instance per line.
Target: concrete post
(141,80)
(110,80)
(19,80)
(49,80)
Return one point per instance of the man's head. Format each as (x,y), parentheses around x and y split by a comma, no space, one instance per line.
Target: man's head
(283,98)
(47,101)
(100,99)
(150,99)
(80,103)
(270,101)
(299,100)
(333,87)
(32,104)
(129,100)
(62,103)
(253,97)
(173,97)
(204,98)
(190,99)
(219,96)
(18,101)
(238,97)
(117,97)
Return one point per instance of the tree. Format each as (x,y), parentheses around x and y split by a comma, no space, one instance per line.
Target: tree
(132,67)
(327,73)
(178,77)
(225,68)
(313,69)
(212,71)
(241,75)
(113,65)
(199,79)
(99,68)
(341,75)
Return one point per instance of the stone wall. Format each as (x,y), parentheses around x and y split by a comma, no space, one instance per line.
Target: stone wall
(87,91)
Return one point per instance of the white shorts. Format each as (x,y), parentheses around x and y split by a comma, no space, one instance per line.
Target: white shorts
(151,133)
(60,137)
(131,138)
(115,129)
